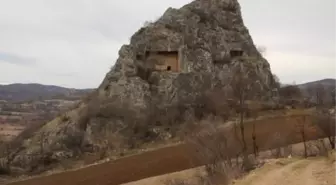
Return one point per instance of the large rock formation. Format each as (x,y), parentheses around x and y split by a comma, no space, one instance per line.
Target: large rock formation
(175,59)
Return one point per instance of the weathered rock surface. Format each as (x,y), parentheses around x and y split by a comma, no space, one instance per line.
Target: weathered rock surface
(202,32)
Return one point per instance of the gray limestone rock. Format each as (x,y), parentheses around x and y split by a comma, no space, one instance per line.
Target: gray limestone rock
(180,56)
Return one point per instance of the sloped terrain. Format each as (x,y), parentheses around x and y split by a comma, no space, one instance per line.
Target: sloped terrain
(168,160)
(312,171)
(327,83)
(128,169)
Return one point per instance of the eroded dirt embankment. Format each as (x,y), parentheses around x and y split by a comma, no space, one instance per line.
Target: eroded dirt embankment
(314,171)
(169,159)
(294,171)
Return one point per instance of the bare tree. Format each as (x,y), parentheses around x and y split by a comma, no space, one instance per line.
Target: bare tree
(254,113)
(5,151)
(215,148)
(324,118)
(216,103)
(278,144)
(332,94)
(289,93)
(238,139)
(246,84)
(42,140)
(276,82)
(110,141)
(319,95)
(301,125)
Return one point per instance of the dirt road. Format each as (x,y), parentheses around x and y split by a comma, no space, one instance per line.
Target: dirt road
(300,172)
(313,171)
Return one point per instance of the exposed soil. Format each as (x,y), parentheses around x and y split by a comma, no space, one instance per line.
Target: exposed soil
(305,172)
(313,171)
(128,169)
(169,159)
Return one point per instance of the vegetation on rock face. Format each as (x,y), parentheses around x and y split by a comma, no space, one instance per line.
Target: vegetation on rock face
(136,105)
(128,110)
(139,110)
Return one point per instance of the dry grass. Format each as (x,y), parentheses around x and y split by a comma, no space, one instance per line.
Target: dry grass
(191,176)
(283,171)
(332,156)
(174,158)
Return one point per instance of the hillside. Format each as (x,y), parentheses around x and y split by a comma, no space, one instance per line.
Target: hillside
(313,171)
(171,159)
(327,83)
(26,92)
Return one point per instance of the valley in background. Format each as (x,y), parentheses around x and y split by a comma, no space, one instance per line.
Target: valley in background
(22,105)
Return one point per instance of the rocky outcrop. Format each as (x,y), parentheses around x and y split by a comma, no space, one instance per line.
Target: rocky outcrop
(203,38)
(203,32)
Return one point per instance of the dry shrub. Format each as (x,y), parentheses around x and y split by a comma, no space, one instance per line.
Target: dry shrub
(110,142)
(277,143)
(177,182)
(325,121)
(65,118)
(9,150)
(318,148)
(4,165)
(290,92)
(41,163)
(322,149)
(215,105)
(4,169)
(28,132)
(332,156)
(87,98)
(288,150)
(73,140)
(215,148)
(87,112)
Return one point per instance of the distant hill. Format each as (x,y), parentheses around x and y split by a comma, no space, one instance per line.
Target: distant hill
(26,92)
(327,83)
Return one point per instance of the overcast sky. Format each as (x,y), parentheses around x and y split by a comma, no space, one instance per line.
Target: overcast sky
(73,43)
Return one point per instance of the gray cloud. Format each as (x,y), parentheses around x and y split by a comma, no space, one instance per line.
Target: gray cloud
(74,43)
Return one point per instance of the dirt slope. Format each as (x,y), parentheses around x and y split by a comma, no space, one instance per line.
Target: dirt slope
(162,161)
(305,172)
(165,160)
(314,171)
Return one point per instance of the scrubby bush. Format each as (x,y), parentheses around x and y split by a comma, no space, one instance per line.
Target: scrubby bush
(215,148)
(4,170)
(177,182)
